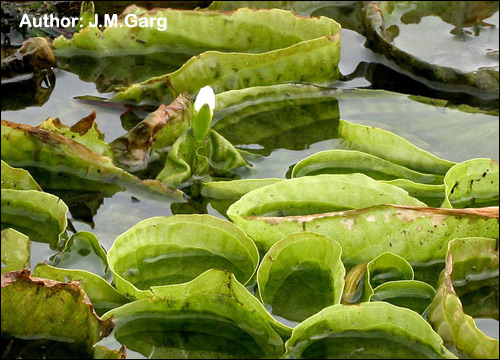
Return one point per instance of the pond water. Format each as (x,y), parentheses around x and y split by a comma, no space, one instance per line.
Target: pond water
(444,131)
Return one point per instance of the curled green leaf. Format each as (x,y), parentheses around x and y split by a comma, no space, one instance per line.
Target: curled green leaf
(300,275)
(473,183)
(172,250)
(101,294)
(352,161)
(431,195)
(55,316)
(471,264)
(190,159)
(212,316)
(59,163)
(40,216)
(223,194)
(16,249)
(368,330)
(16,178)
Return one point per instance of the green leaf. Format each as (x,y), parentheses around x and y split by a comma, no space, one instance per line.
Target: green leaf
(210,317)
(411,294)
(172,250)
(101,294)
(419,235)
(313,61)
(307,196)
(391,147)
(368,330)
(85,132)
(83,252)
(46,310)
(473,183)
(158,130)
(223,194)
(431,195)
(15,250)
(18,179)
(476,261)
(87,11)
(189,159)
(242,31)
(300,275)
(40,216)
(351,161)
(386,267)
(59,163)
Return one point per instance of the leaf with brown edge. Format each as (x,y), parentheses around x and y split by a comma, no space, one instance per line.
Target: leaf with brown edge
(59,163)
(56,315)
(159,129)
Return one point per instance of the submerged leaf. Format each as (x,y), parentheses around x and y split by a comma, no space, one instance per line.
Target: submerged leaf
(15,250)
(212,316)
(172,250)
(56,315)
(473,183)
(300,275)
(368,330)
(40,216)
(18,179)
(472,262)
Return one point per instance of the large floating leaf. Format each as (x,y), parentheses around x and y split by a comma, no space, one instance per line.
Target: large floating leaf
(300,275)
(212,316)
(172,250)
(19,179)
(56,316)
(15,250)
(419,235)
(241,31)
(312,61)
(311,195)
(368,330)
(391,30)
(351,161)
(473,183)
(62,164)
(189,158)
(40,216)
(222,194)
(471,263)
(102,295)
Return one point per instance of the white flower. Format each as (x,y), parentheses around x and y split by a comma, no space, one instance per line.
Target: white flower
(205,96)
